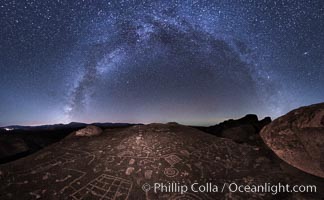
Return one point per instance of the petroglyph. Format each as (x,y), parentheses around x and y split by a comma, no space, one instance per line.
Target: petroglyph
(131,161)
(74,184)
(185,153)
(171,172)
(105,167)
(104,187)
(63,179)
(35,194)
(172,159)
(83,154)
(60,160)
(129,170)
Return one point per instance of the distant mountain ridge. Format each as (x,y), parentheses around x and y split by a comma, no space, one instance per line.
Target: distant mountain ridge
(69,125)
(19,141)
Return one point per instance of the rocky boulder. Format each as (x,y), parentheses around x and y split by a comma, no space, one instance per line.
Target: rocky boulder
(117,166)
(243,130)
(89,131)
(262,123)
(250,119)
(239,134)
(298,138)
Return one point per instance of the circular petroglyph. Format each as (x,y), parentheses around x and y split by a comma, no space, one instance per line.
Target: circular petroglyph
(171,172)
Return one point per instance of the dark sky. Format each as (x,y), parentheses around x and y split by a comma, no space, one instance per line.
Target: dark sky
(194,62)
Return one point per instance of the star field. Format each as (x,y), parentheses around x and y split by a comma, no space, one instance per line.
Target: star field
(194,62)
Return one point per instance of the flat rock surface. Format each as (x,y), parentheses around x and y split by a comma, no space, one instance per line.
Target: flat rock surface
(117,163)
(298,138)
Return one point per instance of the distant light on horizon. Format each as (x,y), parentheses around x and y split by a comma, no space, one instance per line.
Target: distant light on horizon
(158,61)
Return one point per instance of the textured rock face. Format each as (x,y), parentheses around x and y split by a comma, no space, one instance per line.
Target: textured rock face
(89,131)
(240,133)
(117,163)
(243,130)
(298,138)
(250,120)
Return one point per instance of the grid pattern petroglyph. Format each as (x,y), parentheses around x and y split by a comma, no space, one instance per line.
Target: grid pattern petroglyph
(105,187)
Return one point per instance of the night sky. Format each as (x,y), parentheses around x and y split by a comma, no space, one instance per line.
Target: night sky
(194,62)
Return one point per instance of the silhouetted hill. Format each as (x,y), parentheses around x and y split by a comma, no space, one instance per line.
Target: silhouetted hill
(63,126)
(21,141)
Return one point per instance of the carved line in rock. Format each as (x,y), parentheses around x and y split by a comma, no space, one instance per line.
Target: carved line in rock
(105,187)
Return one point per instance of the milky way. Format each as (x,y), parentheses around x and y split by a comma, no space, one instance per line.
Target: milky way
(193,62)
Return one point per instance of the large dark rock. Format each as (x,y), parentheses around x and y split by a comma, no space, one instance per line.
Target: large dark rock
(262,123)
(239,134)
(250,119)
(118,162)
(243,130)
(298,138)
